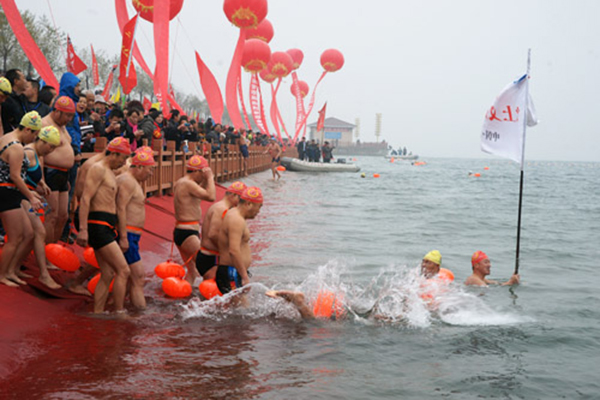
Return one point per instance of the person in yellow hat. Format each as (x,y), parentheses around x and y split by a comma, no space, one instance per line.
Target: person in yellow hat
(5,91)
(13,166)
(430,266)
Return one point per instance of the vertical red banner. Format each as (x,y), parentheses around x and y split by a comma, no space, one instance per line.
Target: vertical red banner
(95,73)
(127,73)
(161,50)
(231,97)
(109,83)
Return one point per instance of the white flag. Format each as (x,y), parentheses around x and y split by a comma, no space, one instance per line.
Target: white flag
(503,132)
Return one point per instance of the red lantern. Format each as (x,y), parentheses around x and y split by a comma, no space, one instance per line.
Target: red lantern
(245,13)
(332,60)
(264,31)
(267,76)
(281,64)
(297,56)
(303,88)
(256,55)
(146,8)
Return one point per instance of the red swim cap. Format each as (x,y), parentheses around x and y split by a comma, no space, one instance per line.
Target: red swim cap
(252,194)
(64,104)
(143,158)
(197,163)
(119,145)
(237,187)
(477,257)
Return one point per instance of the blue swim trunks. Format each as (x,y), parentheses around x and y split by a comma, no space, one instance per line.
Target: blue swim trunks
(228,278)
(244,150)
(132,255)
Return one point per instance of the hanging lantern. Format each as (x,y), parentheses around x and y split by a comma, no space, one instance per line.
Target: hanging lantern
(332,60)
(256,56)
(264,31)
(146,8)
(281,64)
(267,76)
(303,89)
(245,13)
(297,56)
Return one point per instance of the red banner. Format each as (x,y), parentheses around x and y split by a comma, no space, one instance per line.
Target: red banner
(95,73)
(299,106)
(127,73)
(241,94)
(74,63)
(312,102)
(122,18)
(256,103)
(211,90)
(321,120)
(109,83)
(147,104)
(161,50)
(263,118)
(231,97)
(274,109)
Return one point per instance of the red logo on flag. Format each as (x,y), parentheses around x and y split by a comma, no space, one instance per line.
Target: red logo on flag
(127,74)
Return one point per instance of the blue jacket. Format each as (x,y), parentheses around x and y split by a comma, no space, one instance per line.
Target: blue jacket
(67,88)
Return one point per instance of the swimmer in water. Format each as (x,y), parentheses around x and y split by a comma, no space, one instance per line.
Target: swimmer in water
(481,268)
(430,266)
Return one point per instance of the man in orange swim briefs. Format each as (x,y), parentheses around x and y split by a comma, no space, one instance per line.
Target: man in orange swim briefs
(481,268)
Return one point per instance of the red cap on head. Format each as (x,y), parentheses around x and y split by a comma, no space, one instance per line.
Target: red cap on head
(143,158)
(197,163)
(477,257)
(119,145)
(64,104)
(252,194)
(237,187)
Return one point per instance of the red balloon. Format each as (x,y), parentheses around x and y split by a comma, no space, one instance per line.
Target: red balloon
(256,56)
(297,56)
(146,8)
(245,13)
(281,64)
(267,76)
(303,88)
(264,31)
(332,60)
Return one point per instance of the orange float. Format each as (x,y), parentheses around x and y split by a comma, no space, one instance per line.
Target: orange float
(208,289)
(91,286)
(90,257)
(477,175)
(445,275)
(375,175)
(62,257)
(328,305)
(169,269)
(486,168)
(281,168)
(176,287)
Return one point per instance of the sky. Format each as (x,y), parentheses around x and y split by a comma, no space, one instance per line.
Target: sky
(431,67)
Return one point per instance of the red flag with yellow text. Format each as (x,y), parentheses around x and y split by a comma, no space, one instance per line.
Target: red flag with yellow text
(127,74)
(95,73)
(74,63)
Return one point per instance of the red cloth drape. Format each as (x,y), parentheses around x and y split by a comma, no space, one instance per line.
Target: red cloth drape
(211,90)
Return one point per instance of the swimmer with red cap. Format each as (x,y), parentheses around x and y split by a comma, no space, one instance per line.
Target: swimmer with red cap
(481,268)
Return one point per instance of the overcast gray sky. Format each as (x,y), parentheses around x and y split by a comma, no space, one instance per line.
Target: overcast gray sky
(431,67)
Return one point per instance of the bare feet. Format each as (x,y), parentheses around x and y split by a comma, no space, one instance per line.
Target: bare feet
(24,275)
(48,281)
(8,282)
(49,265)
(78,289)
(16,279)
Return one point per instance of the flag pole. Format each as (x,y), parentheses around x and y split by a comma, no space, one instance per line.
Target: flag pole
(522,162)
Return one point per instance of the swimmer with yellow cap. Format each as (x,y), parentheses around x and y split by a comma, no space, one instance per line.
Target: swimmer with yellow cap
(5,87)
(481,268)
(430,266)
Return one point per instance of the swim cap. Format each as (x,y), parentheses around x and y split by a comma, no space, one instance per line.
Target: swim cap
(477,257)
(145,149)
(50,134)
(434,256)
(252,194)
(197,163)
(5,86)
(237,187)
(32,120)
(119,145)
(143,158)
(64,104)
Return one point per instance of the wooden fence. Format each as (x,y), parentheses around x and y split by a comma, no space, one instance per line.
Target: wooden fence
(226,164)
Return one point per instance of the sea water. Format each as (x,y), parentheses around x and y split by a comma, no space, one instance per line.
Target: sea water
(363,239)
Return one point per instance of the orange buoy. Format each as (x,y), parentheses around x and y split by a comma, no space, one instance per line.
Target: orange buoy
(62,257)
(169,269)
(375,175)
(445,275)
(176,287)
(328,305)
(392,160)
(90,257)
(281,168)
(208,289)
(486,168)
(476,174)
(91,286)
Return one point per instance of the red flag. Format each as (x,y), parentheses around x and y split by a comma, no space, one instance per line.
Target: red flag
(211,90)
(147,104)
(161,50)
(127,74)
(109,82)
(321,120)
(95,73)
(74,63)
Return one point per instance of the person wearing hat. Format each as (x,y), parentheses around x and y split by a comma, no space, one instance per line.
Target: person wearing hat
(430,266)
(481,265)
(47,141)
(5,91)
(14,107)
(196,185)
(207,257)
(98,224)
(57,165)
(131,213)
(235,255)
(13,189)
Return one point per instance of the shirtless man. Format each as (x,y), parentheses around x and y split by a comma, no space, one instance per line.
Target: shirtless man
(244,151)
(481,268)
(57,165)
(131,212)
(207,257)
(98,215)
(234,247)
(275,152)
(198,184)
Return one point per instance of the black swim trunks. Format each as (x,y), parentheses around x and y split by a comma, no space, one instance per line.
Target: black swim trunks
(205,262)
(228,278)
(57,179)
(10,198)
(102,229)
(179,235)
(278,159)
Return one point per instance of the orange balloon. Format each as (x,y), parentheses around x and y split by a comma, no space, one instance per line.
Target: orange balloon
(94,282)
(281,168)
(169,269)
(90,257)
(176,287)
(328,305)
(208,289)
(62,257)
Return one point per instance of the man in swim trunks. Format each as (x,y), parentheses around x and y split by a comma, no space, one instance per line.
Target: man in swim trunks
(57,165)
(207,257)
(198,184)
(98,224)
(244,151)
(131,212)
(481,268)
(275,152)
(234,247)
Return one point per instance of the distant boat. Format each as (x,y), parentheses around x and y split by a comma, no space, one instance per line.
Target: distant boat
(409,157)
(293,164)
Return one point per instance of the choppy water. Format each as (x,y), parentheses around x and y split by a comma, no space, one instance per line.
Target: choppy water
(362,238)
